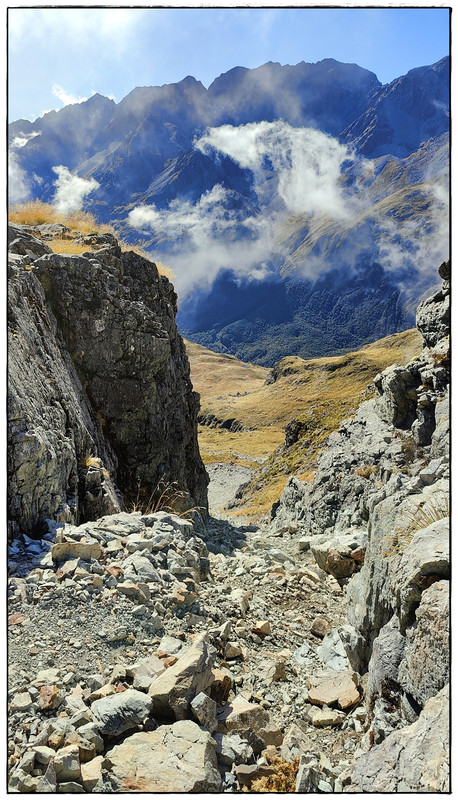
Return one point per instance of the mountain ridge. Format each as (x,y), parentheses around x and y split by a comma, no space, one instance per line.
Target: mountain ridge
(302,171)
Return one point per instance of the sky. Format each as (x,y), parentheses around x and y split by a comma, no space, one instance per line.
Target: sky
(62,55)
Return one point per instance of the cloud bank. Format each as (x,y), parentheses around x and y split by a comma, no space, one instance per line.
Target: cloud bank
(296,171)
(316,211)
(71,190)
(206,237)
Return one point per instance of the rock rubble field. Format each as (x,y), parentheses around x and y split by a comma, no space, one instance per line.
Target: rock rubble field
(136,644)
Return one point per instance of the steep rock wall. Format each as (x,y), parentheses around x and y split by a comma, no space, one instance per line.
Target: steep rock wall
(99,385)
(376,517)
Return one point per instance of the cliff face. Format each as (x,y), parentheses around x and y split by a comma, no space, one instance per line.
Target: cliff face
(99,386)
(376,517)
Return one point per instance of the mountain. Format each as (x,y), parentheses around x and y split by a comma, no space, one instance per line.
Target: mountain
(302,208)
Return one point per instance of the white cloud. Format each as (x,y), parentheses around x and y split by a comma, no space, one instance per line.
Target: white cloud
(18,183)
(21,139)
(306,162)
(65,98)
(71,190)
(206,237)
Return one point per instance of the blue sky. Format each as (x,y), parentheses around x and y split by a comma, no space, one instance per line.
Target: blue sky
(61,55)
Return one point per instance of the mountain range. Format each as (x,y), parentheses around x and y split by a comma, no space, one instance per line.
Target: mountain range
(302,208)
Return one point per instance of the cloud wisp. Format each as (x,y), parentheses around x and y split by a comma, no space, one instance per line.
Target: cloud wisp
(308,163)
(71,190)
(296,171)
(205,237)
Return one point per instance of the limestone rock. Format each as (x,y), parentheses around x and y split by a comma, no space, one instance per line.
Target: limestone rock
(425,559)
(425,668)
(414,759)
(341,690)
(91,773)
(87,326)
(67,764)
(83,550)
(232,749)
(326,717)
(387,654)
(247,773)
(173,691)
(120,712)
(177,758)
(204,710)
(242,714)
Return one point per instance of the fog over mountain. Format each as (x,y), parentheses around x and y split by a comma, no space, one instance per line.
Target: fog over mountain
(303,209)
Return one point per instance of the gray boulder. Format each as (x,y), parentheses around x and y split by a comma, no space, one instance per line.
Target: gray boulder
(120,712)
(178,758)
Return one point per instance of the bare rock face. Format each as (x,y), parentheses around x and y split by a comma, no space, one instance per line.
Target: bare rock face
(413,759)
(99,386)
(385,476)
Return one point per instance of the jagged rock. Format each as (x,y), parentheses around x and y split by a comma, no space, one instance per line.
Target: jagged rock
(326,717)
(204,710)
(145,672)
(339,566)
(91,773)
(20,702)
(247,773)
(221,685)
(387,653)
(433,318)
(173,691)
(74,550)
(425,560)
(232,749)
(341,690)
(397,402)
(242,714)
(67,764)
(87,326)
(425,668)
(272,670)
(120,712)
(413,759)
(48,781)
(174,758)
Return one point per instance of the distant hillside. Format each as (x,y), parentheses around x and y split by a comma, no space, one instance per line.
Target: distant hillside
(276,421)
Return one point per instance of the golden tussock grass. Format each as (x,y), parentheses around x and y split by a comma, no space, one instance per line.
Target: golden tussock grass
(35,212)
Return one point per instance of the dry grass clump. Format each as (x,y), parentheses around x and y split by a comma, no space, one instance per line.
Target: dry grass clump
(166,496)
(282,780)
(422,516)
(35,212)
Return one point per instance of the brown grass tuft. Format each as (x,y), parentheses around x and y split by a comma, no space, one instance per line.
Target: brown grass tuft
(35,212)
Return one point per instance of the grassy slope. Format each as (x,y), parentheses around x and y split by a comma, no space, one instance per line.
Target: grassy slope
(317,392)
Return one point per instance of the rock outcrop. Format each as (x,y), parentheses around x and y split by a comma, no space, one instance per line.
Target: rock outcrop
(381,490)
(100,399)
